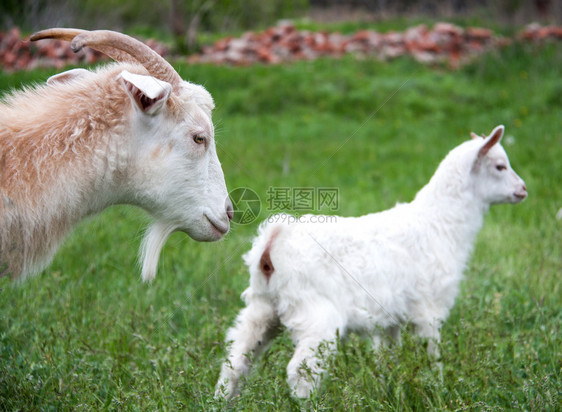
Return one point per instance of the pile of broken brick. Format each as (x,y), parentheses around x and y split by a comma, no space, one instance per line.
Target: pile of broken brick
(444,43)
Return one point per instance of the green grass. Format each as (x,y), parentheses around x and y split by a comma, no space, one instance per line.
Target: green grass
(88,334)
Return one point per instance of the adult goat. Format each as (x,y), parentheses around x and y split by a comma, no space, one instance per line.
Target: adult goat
(131,132)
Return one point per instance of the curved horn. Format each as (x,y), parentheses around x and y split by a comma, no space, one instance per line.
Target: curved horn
(60,34)
(118,46)
(69,34)
(152,61)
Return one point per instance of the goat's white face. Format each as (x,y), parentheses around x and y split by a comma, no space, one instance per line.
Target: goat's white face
(496,181)
(178,174)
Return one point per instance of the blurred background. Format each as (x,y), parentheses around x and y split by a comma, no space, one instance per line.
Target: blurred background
(184,21)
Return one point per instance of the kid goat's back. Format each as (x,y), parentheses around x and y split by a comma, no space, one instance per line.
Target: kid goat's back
(368,274)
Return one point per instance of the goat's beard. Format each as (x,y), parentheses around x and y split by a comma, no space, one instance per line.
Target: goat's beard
(152,244)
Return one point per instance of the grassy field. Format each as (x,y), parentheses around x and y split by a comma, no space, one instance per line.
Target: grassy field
(87,334)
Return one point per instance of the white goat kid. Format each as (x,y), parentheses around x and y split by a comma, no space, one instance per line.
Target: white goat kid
(129,133)
(368,274)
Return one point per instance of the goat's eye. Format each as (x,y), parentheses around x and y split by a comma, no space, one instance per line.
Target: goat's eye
(500,167)
(199,139)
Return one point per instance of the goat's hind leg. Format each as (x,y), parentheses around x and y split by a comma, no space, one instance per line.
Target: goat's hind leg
(387,336)
(314,344)
(255,326)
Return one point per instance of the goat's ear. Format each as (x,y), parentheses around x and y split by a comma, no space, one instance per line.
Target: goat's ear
(147,93)
(473,135)
(68,76)
(491,141)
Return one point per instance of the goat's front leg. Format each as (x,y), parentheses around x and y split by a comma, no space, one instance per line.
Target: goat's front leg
(430,330)
(255,327)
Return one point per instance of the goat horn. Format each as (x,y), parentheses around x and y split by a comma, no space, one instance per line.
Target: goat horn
(119,47)
(69,34)
(60,34)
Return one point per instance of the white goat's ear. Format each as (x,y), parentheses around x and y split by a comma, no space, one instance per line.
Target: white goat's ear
(68,76)
(473,135)
(491,141)
(147,93)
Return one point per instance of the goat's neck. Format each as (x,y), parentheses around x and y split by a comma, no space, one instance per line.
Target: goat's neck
(64,177)
(87,181)
(453,216)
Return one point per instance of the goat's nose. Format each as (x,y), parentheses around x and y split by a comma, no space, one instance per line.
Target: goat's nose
(229,209)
